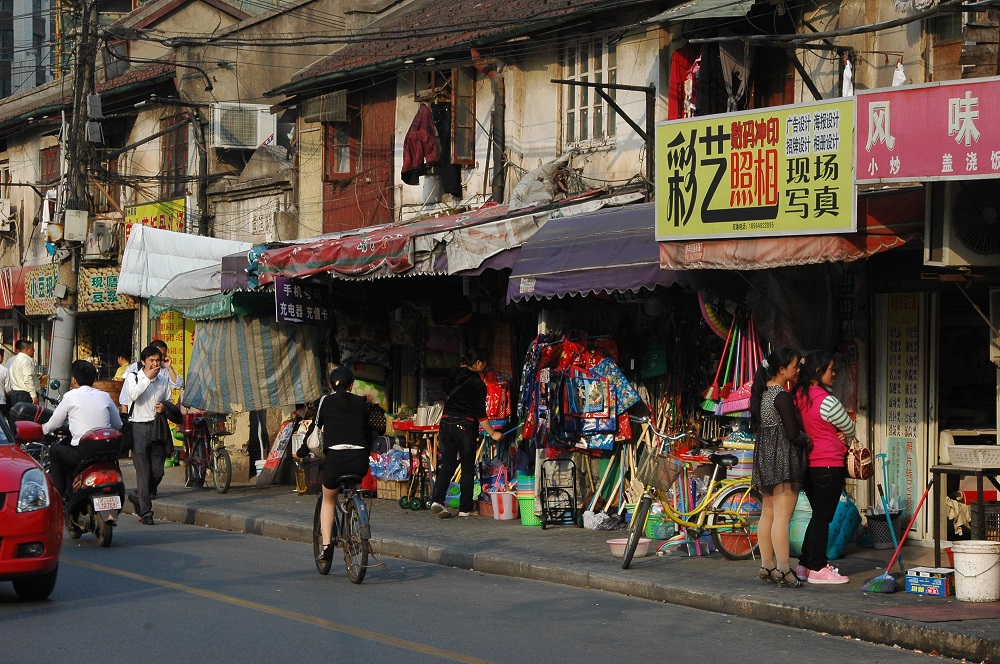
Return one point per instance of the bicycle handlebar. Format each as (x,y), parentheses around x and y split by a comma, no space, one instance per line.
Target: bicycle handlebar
(673,438)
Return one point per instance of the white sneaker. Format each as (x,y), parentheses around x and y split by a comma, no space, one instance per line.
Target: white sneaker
(828,575)
(436,507)
(463,514)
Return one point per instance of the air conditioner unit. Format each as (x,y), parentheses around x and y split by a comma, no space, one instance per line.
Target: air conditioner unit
(331,107)
(6,220)
(101,243)
(242,126)
(962,224)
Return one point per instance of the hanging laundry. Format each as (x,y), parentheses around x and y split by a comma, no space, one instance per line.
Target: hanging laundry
(421,148)
(898,76)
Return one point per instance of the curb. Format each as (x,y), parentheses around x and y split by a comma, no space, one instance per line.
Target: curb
(873,628)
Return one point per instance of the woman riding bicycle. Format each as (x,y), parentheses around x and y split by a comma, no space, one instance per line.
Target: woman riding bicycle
(347,442)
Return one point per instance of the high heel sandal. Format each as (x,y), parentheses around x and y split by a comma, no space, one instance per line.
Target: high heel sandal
(765,574)
(786,578)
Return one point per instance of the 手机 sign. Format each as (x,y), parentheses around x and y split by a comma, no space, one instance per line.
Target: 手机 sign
(301,302)
(938,131)
(786,170)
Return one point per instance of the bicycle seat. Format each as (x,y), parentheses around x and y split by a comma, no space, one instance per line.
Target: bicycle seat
(350,481)
(726,460)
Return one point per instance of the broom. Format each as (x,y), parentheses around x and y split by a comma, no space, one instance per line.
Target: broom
(713,394)
(886,582)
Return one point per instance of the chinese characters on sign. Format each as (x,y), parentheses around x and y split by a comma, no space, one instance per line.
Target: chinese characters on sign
(39,287)
(165,215)
(774,171)
(903,410)
(298,302)
(99,290)
(929,132)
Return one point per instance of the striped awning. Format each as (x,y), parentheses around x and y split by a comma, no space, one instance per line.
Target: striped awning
(253,363)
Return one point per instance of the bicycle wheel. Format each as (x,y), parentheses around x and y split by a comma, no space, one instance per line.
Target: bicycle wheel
(197,461)
(322,565)
(735,517)
(355,544)
(222,468)
(636,529)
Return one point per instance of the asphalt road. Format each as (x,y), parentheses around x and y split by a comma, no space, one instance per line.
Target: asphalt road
(174,593)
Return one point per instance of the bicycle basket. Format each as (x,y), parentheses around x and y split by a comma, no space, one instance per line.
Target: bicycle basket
(658,470)
(219,424)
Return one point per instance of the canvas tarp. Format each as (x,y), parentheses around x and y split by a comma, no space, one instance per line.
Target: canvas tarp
(252,363)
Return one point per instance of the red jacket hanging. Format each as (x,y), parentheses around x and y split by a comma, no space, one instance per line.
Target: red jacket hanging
(420,147)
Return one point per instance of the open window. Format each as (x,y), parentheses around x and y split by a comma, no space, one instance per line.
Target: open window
(454,91)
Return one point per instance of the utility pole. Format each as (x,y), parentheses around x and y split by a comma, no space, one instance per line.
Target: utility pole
(80,157)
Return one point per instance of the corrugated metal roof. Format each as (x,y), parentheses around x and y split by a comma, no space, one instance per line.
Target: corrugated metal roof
(436,27)
(702,9)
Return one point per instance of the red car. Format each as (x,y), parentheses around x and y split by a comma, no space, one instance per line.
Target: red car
(31,524)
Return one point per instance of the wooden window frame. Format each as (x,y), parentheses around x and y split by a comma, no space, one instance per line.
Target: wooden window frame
(48,167)
(330,145)
(586,117)
(173,157)
(456,87)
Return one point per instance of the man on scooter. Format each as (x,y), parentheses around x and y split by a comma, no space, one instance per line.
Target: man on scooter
(86,409)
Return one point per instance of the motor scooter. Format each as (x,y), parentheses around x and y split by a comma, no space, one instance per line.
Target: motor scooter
(98,488)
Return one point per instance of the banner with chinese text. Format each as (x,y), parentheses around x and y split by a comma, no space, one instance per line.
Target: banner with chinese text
(99,290)
(787,170)
(929,132)
(165,215)
(39,291)
(301,302)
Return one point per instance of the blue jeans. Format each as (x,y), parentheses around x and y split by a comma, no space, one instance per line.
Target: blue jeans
(823,486)
(457,440)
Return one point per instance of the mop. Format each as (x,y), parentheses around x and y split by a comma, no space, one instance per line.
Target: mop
(886,583)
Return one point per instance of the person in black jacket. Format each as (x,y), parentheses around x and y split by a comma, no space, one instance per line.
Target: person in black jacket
(347,442)
(464,412)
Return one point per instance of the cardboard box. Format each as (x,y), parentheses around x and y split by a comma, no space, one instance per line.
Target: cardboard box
(937,581)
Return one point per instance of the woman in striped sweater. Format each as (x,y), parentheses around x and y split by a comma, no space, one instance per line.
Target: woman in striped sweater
(829,427)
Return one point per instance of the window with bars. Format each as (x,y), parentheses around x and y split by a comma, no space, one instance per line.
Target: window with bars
(586,116)
(173,157)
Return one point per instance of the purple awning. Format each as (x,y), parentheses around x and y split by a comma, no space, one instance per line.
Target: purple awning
(607,251)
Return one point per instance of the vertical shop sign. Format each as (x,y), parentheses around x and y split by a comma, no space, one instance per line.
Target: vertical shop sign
(302,303)
(938,131)
(902,397)
(39,291)
(173,332)
(786,170)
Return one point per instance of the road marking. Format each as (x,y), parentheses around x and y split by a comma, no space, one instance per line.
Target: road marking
(291,615)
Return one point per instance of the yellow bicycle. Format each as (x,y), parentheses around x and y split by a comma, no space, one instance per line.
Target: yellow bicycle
(729,508)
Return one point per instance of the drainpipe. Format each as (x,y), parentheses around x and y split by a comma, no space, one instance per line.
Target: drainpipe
(492,69)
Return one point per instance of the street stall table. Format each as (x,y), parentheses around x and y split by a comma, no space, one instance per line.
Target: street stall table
(940,493)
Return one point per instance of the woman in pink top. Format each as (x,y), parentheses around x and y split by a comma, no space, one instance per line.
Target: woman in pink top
(828,426)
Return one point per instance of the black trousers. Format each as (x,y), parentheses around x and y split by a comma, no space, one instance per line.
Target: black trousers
(63,460)
(148,455)
(823,486)
(457,441)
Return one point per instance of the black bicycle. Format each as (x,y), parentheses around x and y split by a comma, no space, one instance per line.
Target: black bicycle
(351,531)
(206,452)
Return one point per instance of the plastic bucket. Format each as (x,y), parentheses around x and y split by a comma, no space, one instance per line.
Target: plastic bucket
(504,505)
(527,508)
(977,570)
(878,526)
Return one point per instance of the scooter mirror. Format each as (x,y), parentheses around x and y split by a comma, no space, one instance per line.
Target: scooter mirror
(54,385)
